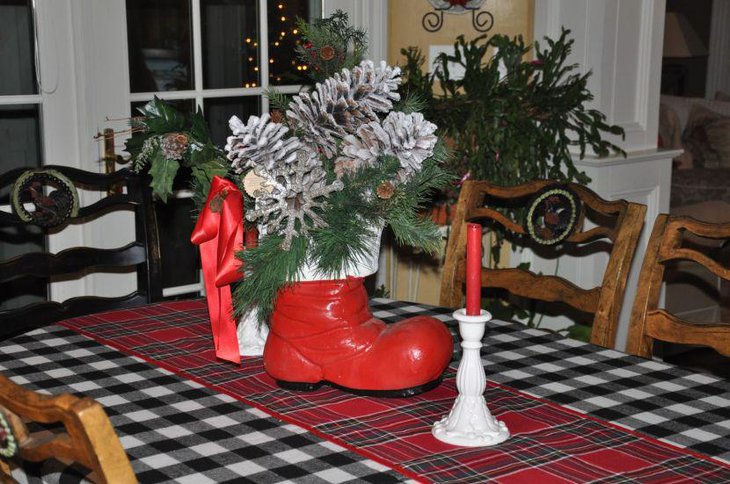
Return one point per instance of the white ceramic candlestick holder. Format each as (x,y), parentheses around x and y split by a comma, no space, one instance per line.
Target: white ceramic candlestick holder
(470,423)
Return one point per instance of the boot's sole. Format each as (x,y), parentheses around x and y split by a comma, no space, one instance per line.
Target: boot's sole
(400,393)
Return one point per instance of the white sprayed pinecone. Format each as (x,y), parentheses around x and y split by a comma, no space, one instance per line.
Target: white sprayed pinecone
(298,190)
(149,147)
(260,143)
(315,115)
(408,137)
(344,102)
(376,87)
(363,148)
(412,140)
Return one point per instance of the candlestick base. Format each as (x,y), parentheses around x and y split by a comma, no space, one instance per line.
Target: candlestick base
(470,423)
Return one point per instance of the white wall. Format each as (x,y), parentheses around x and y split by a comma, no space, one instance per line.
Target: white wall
(718,67)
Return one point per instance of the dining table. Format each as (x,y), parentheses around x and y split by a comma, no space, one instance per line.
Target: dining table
(576,412)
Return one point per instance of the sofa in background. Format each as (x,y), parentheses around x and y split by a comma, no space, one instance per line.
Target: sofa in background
(702,173)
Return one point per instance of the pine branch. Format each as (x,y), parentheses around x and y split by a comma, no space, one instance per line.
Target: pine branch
(330,45)
(278,101)
(267,269)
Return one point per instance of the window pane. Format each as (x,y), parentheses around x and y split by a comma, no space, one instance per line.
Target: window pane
(17,74)
(284,66)
(21,146)
(230,43)
(160,45)
(218,111)
(20,139)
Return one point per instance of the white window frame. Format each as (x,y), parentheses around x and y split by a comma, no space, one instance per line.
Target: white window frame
(199,93)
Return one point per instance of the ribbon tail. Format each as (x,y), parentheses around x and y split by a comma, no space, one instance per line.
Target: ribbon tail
(227,347)
(222,324)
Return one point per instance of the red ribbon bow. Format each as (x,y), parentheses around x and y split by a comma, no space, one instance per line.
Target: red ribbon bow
(219,233)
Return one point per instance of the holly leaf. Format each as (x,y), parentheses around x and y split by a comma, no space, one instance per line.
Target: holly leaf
(199,129)
(162,118)
(203,174)
(134,144)
(163,173)
(205,154)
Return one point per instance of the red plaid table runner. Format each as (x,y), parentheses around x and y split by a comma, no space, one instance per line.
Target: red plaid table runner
(549,443)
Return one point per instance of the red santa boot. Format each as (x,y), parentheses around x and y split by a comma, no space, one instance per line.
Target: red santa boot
(324,332)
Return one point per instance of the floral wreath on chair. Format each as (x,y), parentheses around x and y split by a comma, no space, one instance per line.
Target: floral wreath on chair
(51,209)
(8,443)
(553,215)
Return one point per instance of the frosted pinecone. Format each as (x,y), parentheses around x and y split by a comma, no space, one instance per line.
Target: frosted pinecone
(260,143)
(408,137)
(363,148)
(174,145)
(313,116)
(343,103)
(412,140)
(299,191)
(375,87)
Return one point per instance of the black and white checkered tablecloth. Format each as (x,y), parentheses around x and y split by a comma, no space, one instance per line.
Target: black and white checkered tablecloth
(176,430)
(173,429)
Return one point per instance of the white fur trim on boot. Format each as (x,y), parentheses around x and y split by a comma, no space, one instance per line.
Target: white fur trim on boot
(251,334)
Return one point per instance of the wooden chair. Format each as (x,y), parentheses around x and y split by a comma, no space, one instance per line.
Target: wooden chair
(618,221)
(88,439)
(675,239)
(44,201)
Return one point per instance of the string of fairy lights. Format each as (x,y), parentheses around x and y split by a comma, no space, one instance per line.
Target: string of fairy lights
(281,48)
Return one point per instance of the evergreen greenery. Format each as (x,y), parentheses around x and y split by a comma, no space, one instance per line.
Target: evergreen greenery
(158,121)
(330,44)
(353,216)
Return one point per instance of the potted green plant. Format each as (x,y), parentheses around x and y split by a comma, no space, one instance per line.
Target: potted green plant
(510,119)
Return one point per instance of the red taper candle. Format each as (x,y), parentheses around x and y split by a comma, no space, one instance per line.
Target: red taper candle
(473,269)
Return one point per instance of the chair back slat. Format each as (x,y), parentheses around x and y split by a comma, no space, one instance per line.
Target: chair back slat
(115,202)
(590,235)
(700,258)
(72,261)
(524,283)
(649,321)
(664,326)
(618,222)
(48,312)
(486,212)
